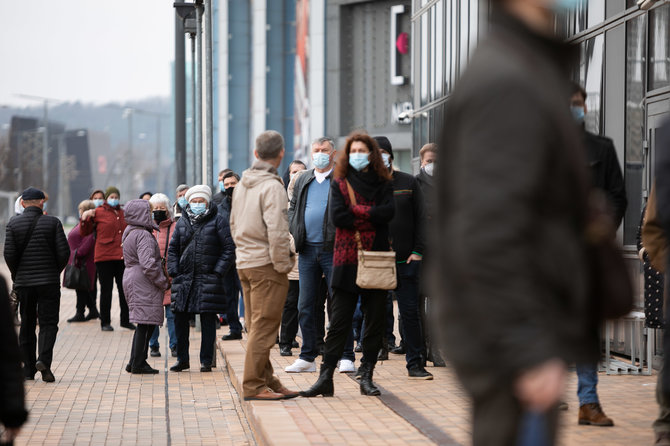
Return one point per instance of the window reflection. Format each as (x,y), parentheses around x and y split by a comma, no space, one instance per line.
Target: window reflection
(635,91)
(424,59)
(591,78)
(439,49)
(659,48)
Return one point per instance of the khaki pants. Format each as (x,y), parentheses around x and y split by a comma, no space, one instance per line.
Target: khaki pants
(264,297)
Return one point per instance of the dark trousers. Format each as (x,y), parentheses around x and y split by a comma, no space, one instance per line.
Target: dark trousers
(407,294)
(35,302)
(289,317)
(208,331)
(232,300)
(373,305)
(108,272)
(138,352)
(87,299)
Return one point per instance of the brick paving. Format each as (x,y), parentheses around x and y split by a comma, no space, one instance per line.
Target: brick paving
(94,401)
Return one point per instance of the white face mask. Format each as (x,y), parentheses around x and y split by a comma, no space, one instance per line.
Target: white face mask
(429,169)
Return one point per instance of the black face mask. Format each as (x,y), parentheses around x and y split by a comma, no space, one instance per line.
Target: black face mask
(229,191)
(160,216)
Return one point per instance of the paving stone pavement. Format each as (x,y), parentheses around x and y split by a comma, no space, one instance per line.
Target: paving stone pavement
(94,401)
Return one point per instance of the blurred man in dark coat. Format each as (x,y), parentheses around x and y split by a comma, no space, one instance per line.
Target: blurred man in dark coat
(510,264)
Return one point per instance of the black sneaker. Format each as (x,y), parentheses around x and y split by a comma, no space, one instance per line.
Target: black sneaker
(418,372)
(285,351)
(47,376)
(180,366)
(92,315)
(204,368)
(173,352)
(79,317)
(231,336)
(107,328)
(398,350)
(155,352)
(146,369)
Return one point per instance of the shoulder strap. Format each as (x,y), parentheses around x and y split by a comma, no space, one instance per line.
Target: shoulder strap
(27,238)
(352,197)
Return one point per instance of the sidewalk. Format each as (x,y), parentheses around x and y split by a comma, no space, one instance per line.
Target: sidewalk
(412,412)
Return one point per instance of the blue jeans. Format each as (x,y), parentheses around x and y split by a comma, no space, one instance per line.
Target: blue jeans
(153,341)
(587,383)
(314,263)
(407,294)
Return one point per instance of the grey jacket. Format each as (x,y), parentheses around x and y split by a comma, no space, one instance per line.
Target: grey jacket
(144,279)
(296,214)
(511,189)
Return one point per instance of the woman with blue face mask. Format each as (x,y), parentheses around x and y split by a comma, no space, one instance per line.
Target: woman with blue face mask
(200,254)
(108,222)
(360,166)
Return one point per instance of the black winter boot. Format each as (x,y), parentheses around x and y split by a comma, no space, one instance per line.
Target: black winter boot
(367,386)
(323,385)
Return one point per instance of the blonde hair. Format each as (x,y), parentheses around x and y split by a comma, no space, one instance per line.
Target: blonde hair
(430,147)
(86,205)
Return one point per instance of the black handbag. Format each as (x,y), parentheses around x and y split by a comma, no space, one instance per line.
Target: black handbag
(76,277)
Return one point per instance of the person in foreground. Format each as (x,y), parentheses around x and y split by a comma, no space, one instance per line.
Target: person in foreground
(360,167)
(144,281)
(510,267)
(259,225)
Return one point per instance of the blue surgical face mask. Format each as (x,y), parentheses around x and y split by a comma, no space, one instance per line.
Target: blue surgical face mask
(44,207)
(198,208)
(321,160)
(577,114)
(182,202)
(387,160)
(98,202)
(221,187)
(359,161)
(113,202)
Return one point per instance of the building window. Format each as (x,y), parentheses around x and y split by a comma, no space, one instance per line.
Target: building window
(591,78)
(636,31)
(659,48)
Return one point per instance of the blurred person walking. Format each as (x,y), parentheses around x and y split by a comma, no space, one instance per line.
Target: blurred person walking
(259,225)
(108,223)
(82,252)
(13,413)
(162,216)
(407,230)
(200,254)
(360,171)
(36,251)
(144,281)
(510,254)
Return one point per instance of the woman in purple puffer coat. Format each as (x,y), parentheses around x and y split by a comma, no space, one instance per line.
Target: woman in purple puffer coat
(144,281)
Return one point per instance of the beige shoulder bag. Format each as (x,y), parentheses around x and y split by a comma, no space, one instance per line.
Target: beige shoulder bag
(376,269)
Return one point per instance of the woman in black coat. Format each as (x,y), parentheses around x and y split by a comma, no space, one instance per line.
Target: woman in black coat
(200,254)
(361,166)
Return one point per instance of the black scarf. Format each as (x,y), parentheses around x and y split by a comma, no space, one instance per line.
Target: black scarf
(368,183)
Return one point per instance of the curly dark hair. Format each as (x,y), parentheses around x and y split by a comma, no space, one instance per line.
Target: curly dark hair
(375,157)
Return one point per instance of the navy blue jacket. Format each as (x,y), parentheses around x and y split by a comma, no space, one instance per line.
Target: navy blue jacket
(199,256)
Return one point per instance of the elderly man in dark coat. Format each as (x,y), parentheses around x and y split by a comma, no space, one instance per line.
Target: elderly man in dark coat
(200,255)
(36,251)
(510,261)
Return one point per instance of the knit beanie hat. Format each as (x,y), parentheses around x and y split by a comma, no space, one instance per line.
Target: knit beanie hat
(384,144)
(199,191)
(112,190)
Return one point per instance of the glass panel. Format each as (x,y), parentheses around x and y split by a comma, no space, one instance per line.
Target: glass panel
(448,56)
(474,24)
(425,47)
(454,40)
(438,23)
(635,90)
(464,41)
(433,47)
(591,78)
(588,13)
(659,48)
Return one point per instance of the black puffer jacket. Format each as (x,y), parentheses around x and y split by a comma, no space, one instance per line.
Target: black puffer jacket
(198,267)
(47,251)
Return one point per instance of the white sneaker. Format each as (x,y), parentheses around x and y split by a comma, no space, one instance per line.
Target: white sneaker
(300,365)
(346,366)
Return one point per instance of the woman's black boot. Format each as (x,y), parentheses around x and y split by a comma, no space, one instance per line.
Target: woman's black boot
(322,386)
(367,386)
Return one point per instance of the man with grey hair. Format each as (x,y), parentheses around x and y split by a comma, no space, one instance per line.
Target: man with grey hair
(181,203)
(314,234)
(259,227)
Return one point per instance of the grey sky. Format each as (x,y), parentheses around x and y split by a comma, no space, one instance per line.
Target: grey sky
(85,50)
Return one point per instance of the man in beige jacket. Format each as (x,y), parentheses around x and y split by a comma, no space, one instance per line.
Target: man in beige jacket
(259,226)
